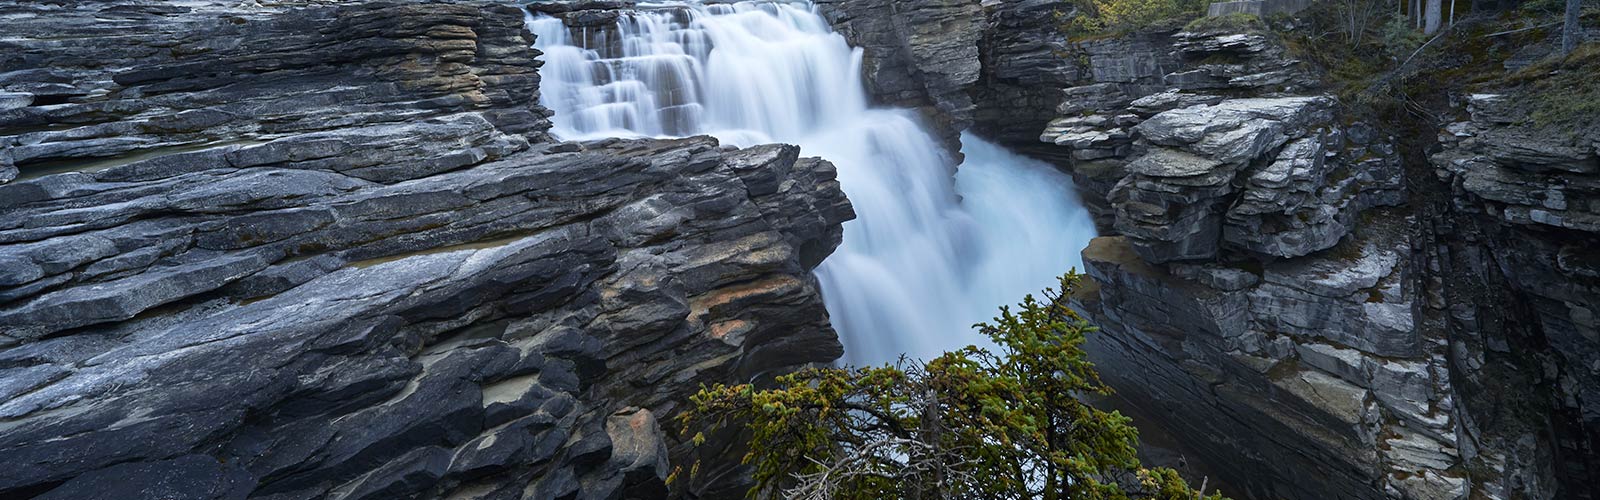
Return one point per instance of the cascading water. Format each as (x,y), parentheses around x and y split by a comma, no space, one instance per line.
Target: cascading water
(926,257)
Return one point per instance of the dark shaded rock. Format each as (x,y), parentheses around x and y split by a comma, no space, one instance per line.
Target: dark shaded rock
(186,477)
(1517,200)
(407,475)
(919,54)
(1024,70)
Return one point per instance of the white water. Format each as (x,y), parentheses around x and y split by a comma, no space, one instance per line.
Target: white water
(925,258)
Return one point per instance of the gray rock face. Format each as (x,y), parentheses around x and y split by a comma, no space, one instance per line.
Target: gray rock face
(1235,130)
(1221,59)
(918,54)
(215,75)
(1311,336)
(1533,177)
(328,251)
(1267,176)
(1120,82)
(1257,289)
(1024,71)
(1306,364)
(1517,293)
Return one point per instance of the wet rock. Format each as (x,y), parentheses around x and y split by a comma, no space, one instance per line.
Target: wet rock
(918,54)
(1024,71)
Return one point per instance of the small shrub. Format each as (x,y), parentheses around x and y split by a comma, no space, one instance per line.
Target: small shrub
(1238,22)
(1097,17)
(1007,422)
(1399,38)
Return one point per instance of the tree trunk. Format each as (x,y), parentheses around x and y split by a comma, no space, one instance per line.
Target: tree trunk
(1569,29)
(1434,16)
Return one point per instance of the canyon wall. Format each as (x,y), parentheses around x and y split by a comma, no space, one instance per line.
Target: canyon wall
(329,251)
(920,54)
(1303,306)
(1306,309)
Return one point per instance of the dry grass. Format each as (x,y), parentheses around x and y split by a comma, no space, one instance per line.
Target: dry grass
(1561,91)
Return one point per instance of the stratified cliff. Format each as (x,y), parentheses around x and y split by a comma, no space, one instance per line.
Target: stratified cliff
(1318,316)
(328,251)
(920,54)
(1285,289)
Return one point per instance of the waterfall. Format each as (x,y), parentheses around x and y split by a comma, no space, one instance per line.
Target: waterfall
(927,256)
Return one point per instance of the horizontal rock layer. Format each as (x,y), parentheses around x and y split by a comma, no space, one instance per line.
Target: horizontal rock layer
(1302,338)
(1311,315)
(329,252)
(1516,286)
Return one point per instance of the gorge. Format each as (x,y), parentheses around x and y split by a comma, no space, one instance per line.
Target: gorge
(925,257)
(480,249)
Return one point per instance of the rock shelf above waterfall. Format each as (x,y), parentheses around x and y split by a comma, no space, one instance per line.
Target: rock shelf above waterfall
(331,251)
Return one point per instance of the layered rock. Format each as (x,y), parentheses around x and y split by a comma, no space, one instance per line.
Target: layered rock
(1290,373)
(329,252)
(1129,79)
(1257,299)
(1027,59)
(1272,301)
(920,54)
(1217,57)
(1516,287)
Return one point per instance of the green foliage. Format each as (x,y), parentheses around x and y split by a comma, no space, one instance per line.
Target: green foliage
(1099,17)
(975,423)
(1399,37)
(1358,44)
(1238,22)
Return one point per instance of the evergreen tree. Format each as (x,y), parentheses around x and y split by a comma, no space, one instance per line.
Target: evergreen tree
(973,423)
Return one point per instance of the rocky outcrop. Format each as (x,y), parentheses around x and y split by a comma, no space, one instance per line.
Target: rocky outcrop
(1133,78)
(328,251)
(1283,331)
(1313,320)
(1515,286)
(1257,297)
(157,91)
(1027,60)
(920,54)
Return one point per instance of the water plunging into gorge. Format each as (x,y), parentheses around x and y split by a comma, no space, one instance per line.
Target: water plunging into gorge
(926,258)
